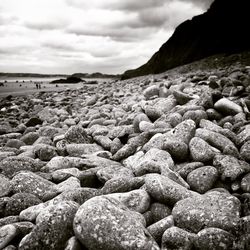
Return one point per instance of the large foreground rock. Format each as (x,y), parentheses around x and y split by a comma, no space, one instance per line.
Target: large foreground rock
(53,227)
(214,209)
(104,223)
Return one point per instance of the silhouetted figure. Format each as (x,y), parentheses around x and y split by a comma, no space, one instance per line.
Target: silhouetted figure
(36,85)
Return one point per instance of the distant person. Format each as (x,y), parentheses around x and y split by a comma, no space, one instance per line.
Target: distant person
(36,85)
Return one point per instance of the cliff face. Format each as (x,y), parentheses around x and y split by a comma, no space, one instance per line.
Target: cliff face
(224,28)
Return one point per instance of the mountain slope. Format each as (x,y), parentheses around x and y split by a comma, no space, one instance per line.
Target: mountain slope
(222,29)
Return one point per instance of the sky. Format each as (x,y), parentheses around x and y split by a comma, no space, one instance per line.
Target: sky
(69,36)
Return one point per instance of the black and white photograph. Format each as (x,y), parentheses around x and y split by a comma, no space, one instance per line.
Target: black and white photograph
(124,125)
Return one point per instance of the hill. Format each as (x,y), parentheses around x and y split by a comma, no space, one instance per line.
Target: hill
(222,29)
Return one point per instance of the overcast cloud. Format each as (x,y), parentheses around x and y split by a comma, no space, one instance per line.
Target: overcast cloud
(68,36)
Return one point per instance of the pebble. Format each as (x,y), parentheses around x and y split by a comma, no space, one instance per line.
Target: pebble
(202,179)
(164,190)
(200,150)
(214,238)
(177,238)
(7,234)
(227,107)
(157,229)
(5,186)
(56,221)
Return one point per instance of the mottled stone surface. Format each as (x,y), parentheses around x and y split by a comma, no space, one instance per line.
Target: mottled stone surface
(53,227)
(213,209)
(202,179)
(99,216)
(165,190)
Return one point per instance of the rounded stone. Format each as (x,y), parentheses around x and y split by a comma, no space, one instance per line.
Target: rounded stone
(227,107)
(157,229)
(28,182)
(214,238)
(176,148)
(159,211)
(7,234)
(54,226)
(20,201)
(30,138)
(165,190)
(245,183)
(202,179)
(195,115)
(11,165)
(139,118)
(177,238)
(245,151)
(45,152)
(213,209)
(200,150)
(151,91)
(104,223)
(5,186)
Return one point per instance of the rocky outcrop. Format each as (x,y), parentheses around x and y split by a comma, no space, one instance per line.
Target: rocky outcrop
(222,29)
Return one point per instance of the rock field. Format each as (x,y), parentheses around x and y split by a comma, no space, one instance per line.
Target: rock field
(156,162)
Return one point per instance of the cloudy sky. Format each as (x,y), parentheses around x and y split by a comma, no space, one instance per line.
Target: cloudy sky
(68,36)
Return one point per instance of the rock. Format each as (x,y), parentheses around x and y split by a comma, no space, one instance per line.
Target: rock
(60,162)
(9,220)
(105,174)
(245,151)
(14,143)
(20,201)
(63,174)
(30,138)
(116,185)
(177,238)
(202,179)
(28,182)
(214,139)
(77,150)
(49,131)
(73,244)
(71,183)
(53,227)
(174,119)
(146,126)
(184,131)
(185,168)
(5,186)
(139,118)
(33,121)
(165,190)
(176,148)
(245,183)
(76,134)
(227,107)
(44,152)
(7,234)
(229,167)
(200,150)
(151,91)
(244,135)
(103,141)
(213,209)
(99,216)
(195,115)
(155,142)
(125,152)
(157,229)
(214,238)
(11,165)
(159,211)
(79,195)
(182,98)
(136,200)
(154,161)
